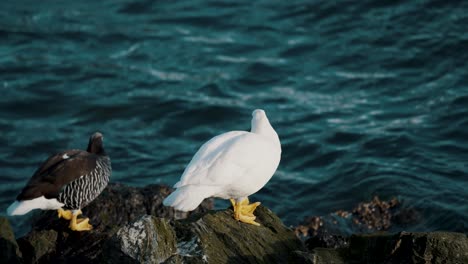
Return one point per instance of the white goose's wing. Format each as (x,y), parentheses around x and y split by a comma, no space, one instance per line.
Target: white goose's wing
(205,157)
(224,159)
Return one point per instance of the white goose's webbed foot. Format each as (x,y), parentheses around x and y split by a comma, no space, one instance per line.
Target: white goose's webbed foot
(243,211)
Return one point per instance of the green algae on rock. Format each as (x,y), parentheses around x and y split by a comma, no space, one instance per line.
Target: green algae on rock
(218,238)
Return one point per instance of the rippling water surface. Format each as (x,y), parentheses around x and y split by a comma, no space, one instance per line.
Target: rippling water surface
(368,98)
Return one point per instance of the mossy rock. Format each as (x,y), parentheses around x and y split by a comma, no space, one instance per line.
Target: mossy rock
(433,247)
(212,237)
(406,247)
(9,249)
(38,246)
(148,240)
(216,237)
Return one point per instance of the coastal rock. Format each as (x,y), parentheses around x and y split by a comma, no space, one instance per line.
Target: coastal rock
(212,237)
(326,240)
(37,247)
(330,256)
(375,215)
(119,205)
(366,217)
(136,228)
(218,238)
(50,239)
(148,240)
(125,233)
(58,244)
(8,247)
(432,247)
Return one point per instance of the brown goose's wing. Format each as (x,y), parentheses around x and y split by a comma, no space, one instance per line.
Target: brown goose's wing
(57,171)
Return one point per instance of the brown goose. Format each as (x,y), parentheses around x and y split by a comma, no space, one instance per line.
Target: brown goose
(69,180)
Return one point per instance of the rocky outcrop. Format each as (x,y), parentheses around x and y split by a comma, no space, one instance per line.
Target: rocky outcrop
(405,247)
(213,237)
(132,226)
(148,240)
(50,239)
(210,237)
(333,230)
(121,204)
(9,249)
(366,217)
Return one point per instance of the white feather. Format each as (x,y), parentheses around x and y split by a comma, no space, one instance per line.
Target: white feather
(232,165)
(23,207)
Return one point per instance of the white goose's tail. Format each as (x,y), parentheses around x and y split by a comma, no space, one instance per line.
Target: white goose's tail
(187,198)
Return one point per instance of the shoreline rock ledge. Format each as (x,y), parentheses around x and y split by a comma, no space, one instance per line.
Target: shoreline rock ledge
(212,237)
(132,226)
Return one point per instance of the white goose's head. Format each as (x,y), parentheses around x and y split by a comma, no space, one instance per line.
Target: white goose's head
(261,125)
(258,115)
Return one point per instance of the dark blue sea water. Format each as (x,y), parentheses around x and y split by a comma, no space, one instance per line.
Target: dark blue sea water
(368,97)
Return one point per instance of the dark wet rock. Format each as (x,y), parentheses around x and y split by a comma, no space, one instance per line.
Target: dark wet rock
(330,256)
(366,217)
(309,227)
(119,205)
(132,226)
(50,239)
(326,240)
(433,247)
(58,244)
(9,249)
(375,215)
(221,239)
(37,247)
(406,216)
(304,257)
(148,240)
(213,237)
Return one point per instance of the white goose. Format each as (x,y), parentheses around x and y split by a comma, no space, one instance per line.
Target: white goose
(231,166)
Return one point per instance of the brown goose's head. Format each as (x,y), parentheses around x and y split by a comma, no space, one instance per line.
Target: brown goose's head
(96,145)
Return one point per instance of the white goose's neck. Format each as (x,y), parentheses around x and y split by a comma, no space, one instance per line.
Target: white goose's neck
(263,127)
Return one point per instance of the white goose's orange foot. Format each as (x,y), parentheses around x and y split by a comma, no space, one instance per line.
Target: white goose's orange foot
(81,224)
(243,211)
(248,209)
(65,214)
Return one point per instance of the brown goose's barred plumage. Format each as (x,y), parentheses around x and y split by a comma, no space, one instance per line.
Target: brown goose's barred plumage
(80,192)
(70,180)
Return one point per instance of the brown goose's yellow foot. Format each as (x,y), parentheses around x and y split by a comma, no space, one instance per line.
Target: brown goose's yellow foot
(81,220)
(80,224)
(243,211)
(66,214)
